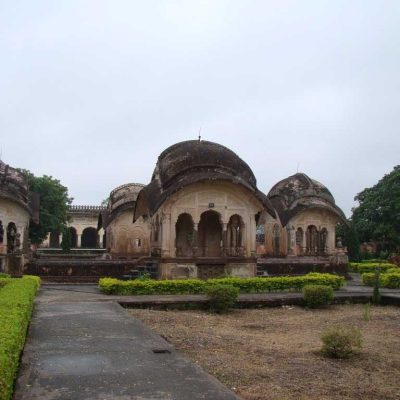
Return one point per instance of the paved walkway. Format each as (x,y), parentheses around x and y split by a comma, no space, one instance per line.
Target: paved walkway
(82,345)
(79,348)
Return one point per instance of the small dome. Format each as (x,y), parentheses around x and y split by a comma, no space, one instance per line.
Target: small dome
(297,186)
(124,194)
(299,192)
(204,157)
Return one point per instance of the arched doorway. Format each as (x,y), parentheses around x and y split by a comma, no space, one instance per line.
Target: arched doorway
(235,236)
(210,234)
(184,236)
(323,236)
(89,238)
(11,237)
(276,240)
(54,240)
(312,240)
(73,237)
(299,241)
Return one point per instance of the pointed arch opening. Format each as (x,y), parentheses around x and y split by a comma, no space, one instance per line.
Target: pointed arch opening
(210,234)
(235,236)
(184,229)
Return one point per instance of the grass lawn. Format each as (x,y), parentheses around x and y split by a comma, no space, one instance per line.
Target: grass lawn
(273,353)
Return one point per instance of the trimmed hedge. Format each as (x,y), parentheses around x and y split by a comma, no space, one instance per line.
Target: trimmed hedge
(16,303)
(317,295)
(197,286)
(388,280)
(364,267)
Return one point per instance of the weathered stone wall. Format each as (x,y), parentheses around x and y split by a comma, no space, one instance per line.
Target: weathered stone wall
(127,238)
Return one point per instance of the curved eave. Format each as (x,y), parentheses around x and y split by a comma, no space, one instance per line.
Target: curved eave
(153,196)
(14,199)
(303,206)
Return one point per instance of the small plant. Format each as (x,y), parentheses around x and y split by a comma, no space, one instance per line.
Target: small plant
(221,297)
(317,295)
(376,296)
(367,312)
(341,342)
(4,275)
(144,276)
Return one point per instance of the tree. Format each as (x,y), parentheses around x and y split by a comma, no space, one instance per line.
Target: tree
(54,203)
(350,240)
(377,218)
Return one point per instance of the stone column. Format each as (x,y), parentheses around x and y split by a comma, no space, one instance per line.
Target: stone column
(195,243)
(101,236)
(78,240)
(225,239)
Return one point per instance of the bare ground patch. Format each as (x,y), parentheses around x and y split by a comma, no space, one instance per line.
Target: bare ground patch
(273,353)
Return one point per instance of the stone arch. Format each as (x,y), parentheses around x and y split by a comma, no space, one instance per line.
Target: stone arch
(11,237)
(210,234)
(276,240)
(299,240)
(156,229)
(54,240)
(323,240)
(312,240)
(184,229)
(235,236)
(73,237)
(89,238)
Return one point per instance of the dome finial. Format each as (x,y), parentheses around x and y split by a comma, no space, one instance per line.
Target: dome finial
(199,134)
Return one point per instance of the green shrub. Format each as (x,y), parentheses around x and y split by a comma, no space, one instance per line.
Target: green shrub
(3,275)
(196,286)
(317,295)
(16,303)
(391,280)
(341,342)
(221,297)
(4,281)
(364,267)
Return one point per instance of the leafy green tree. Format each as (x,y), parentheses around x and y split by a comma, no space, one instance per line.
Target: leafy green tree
(54,203)
(377,218)
(349,237)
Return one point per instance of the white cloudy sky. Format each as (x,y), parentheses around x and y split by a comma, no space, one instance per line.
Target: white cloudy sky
(92,91)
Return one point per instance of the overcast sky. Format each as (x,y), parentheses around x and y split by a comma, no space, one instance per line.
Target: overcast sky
(92,91)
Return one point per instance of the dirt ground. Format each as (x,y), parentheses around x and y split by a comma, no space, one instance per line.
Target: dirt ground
(273,353)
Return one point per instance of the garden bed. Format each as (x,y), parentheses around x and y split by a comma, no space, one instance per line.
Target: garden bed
(274,353)
(16,303)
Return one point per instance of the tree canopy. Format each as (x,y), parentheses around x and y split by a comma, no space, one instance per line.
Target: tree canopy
(54,203)
(377,218)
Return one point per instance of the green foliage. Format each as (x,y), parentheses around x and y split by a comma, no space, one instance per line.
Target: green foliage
(391,280)
(367,312)
(341,342)
(66,240)
(221,297)
(54,202)
(16,303)
(195,286)
(377,218)
(363,267)
(376,296)
(317,295)
(350,240)
(4,275)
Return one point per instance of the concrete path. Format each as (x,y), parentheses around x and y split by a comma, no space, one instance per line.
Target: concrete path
(81,349)
(83,345)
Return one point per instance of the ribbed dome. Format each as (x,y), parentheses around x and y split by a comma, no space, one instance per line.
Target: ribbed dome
(297,186)
(194,161)
(124,194)
(299,192)
(201,156)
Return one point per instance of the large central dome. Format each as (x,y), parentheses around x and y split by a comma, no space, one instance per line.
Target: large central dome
(195,161)
(201,157)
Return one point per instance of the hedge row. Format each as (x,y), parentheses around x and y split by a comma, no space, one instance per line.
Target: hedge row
(370,267)
(390,280)
(16,303)
(197,286)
